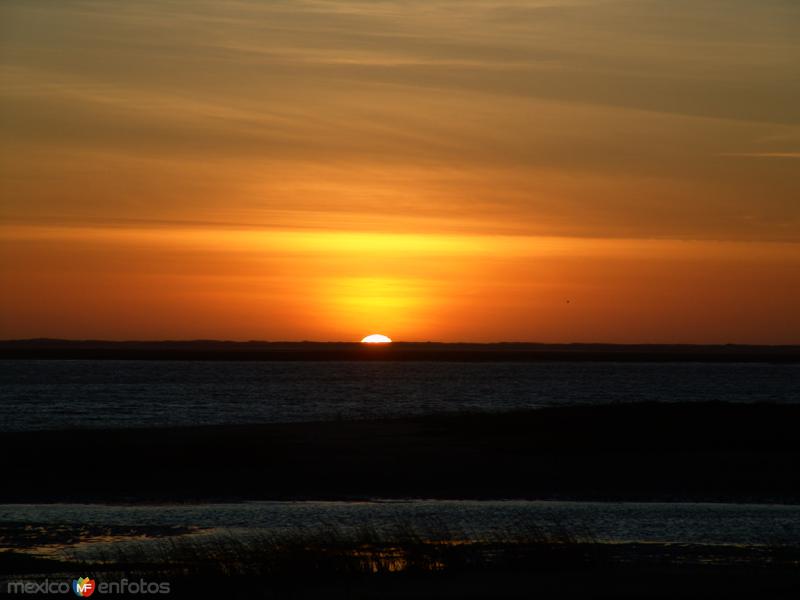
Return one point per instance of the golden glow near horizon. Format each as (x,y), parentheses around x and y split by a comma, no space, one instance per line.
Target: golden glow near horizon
(376,338)
(552,171)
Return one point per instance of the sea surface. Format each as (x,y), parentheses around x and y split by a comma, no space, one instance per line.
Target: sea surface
(42,394)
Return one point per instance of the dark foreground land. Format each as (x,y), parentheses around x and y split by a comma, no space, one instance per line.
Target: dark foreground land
(401,561)
(324,568)
(427,351)
(703,451)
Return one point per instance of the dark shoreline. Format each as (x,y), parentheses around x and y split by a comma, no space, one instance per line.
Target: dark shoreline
(331,564)
(52,349)
(646,452)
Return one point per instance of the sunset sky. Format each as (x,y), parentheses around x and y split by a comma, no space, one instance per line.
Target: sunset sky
(476,170)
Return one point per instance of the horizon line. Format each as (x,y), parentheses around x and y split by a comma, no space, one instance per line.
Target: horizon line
(393,342)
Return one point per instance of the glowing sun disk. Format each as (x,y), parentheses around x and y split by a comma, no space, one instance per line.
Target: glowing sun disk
(376,338)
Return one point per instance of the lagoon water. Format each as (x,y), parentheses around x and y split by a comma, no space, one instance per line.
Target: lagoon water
(41,394)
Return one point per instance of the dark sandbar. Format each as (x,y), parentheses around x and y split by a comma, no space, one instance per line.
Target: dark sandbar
(704,451)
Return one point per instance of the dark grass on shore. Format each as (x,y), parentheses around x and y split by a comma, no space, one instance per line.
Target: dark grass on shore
(651,451)
(407,562)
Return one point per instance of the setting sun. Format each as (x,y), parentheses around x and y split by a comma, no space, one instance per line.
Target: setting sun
(376,338)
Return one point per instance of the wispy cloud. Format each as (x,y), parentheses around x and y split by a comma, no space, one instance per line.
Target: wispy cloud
(555,116)
(765,154)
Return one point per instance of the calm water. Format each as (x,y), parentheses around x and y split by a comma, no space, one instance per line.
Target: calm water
(677,523)
(57,394)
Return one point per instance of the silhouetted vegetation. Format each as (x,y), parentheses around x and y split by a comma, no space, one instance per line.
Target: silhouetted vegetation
(428,560)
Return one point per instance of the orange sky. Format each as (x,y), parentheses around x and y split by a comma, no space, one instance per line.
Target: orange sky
(560,170)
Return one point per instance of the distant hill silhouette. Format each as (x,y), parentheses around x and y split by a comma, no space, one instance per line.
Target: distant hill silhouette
(44,348)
